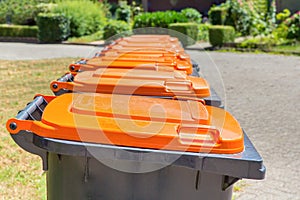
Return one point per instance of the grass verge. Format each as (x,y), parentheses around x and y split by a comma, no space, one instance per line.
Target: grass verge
(21,175)
(88,38)
(281,49)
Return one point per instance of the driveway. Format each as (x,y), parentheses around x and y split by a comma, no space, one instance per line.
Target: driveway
(262,91)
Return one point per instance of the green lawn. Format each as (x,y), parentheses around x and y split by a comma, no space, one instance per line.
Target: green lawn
(88,38)
(288,49)
(21,175)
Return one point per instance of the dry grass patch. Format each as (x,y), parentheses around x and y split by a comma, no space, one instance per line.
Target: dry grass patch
(21,175)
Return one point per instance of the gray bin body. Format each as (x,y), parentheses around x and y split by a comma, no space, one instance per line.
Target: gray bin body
(69,178)
(74,173)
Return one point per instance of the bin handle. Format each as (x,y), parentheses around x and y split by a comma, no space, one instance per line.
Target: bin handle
(32,112)
(74,67)
(20,126)
(185,98)
(195,133)
(68,77)
(36,104)
(178,86)
(65,83)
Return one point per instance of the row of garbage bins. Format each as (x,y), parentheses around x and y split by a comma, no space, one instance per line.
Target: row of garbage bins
(136,121)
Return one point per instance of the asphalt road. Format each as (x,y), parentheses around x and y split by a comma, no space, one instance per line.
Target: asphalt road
(262,91)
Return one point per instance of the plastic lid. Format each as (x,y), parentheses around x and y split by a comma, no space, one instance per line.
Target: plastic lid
(150,35)
(142,50)
(146,59)
(134,48)
(143,36)
(149,39)
(138,82)
(137,121)
(95,63)
(160,44)
(145,54)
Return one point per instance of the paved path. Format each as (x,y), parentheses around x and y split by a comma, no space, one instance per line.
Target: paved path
(262,91)
(26,51)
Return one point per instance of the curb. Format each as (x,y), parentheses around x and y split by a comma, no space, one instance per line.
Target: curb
(95,44)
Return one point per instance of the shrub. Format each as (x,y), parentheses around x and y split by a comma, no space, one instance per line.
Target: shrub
(192,15)
(136,9)
(239,17)
(44,8)
(293,23)
(158,19)
(123,12)
(281,31)
(254,17)
(21,12)
(263,42)
(283,15)
(218,35)
(116,27)
(86,17)
(52,27)
(203,32)
(189,31)
(18,31)
(217,15)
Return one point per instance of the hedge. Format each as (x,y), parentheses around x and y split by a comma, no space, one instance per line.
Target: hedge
(86,17)
(20,12)
(123,12)
(158,19)
(18,31)
(218,35)
(52,27)
(217,15)
(192,15)
(116,27)
(203,32)
(189,31)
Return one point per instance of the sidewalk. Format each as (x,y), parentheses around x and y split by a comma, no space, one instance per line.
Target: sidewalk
(28,51)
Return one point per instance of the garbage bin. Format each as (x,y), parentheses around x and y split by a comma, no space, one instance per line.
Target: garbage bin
(132,62)
(138,82)
(144,39)
(148,51)
(163,41)
(133,82)
(206,146)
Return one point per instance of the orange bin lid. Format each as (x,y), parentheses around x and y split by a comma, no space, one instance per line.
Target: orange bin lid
(146,36)
(140,58)
(130,63)
(149,39)
(146,54)
(150,35)
(120,49)
(134,48)
(160,44)
(137,121)
(138,82)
